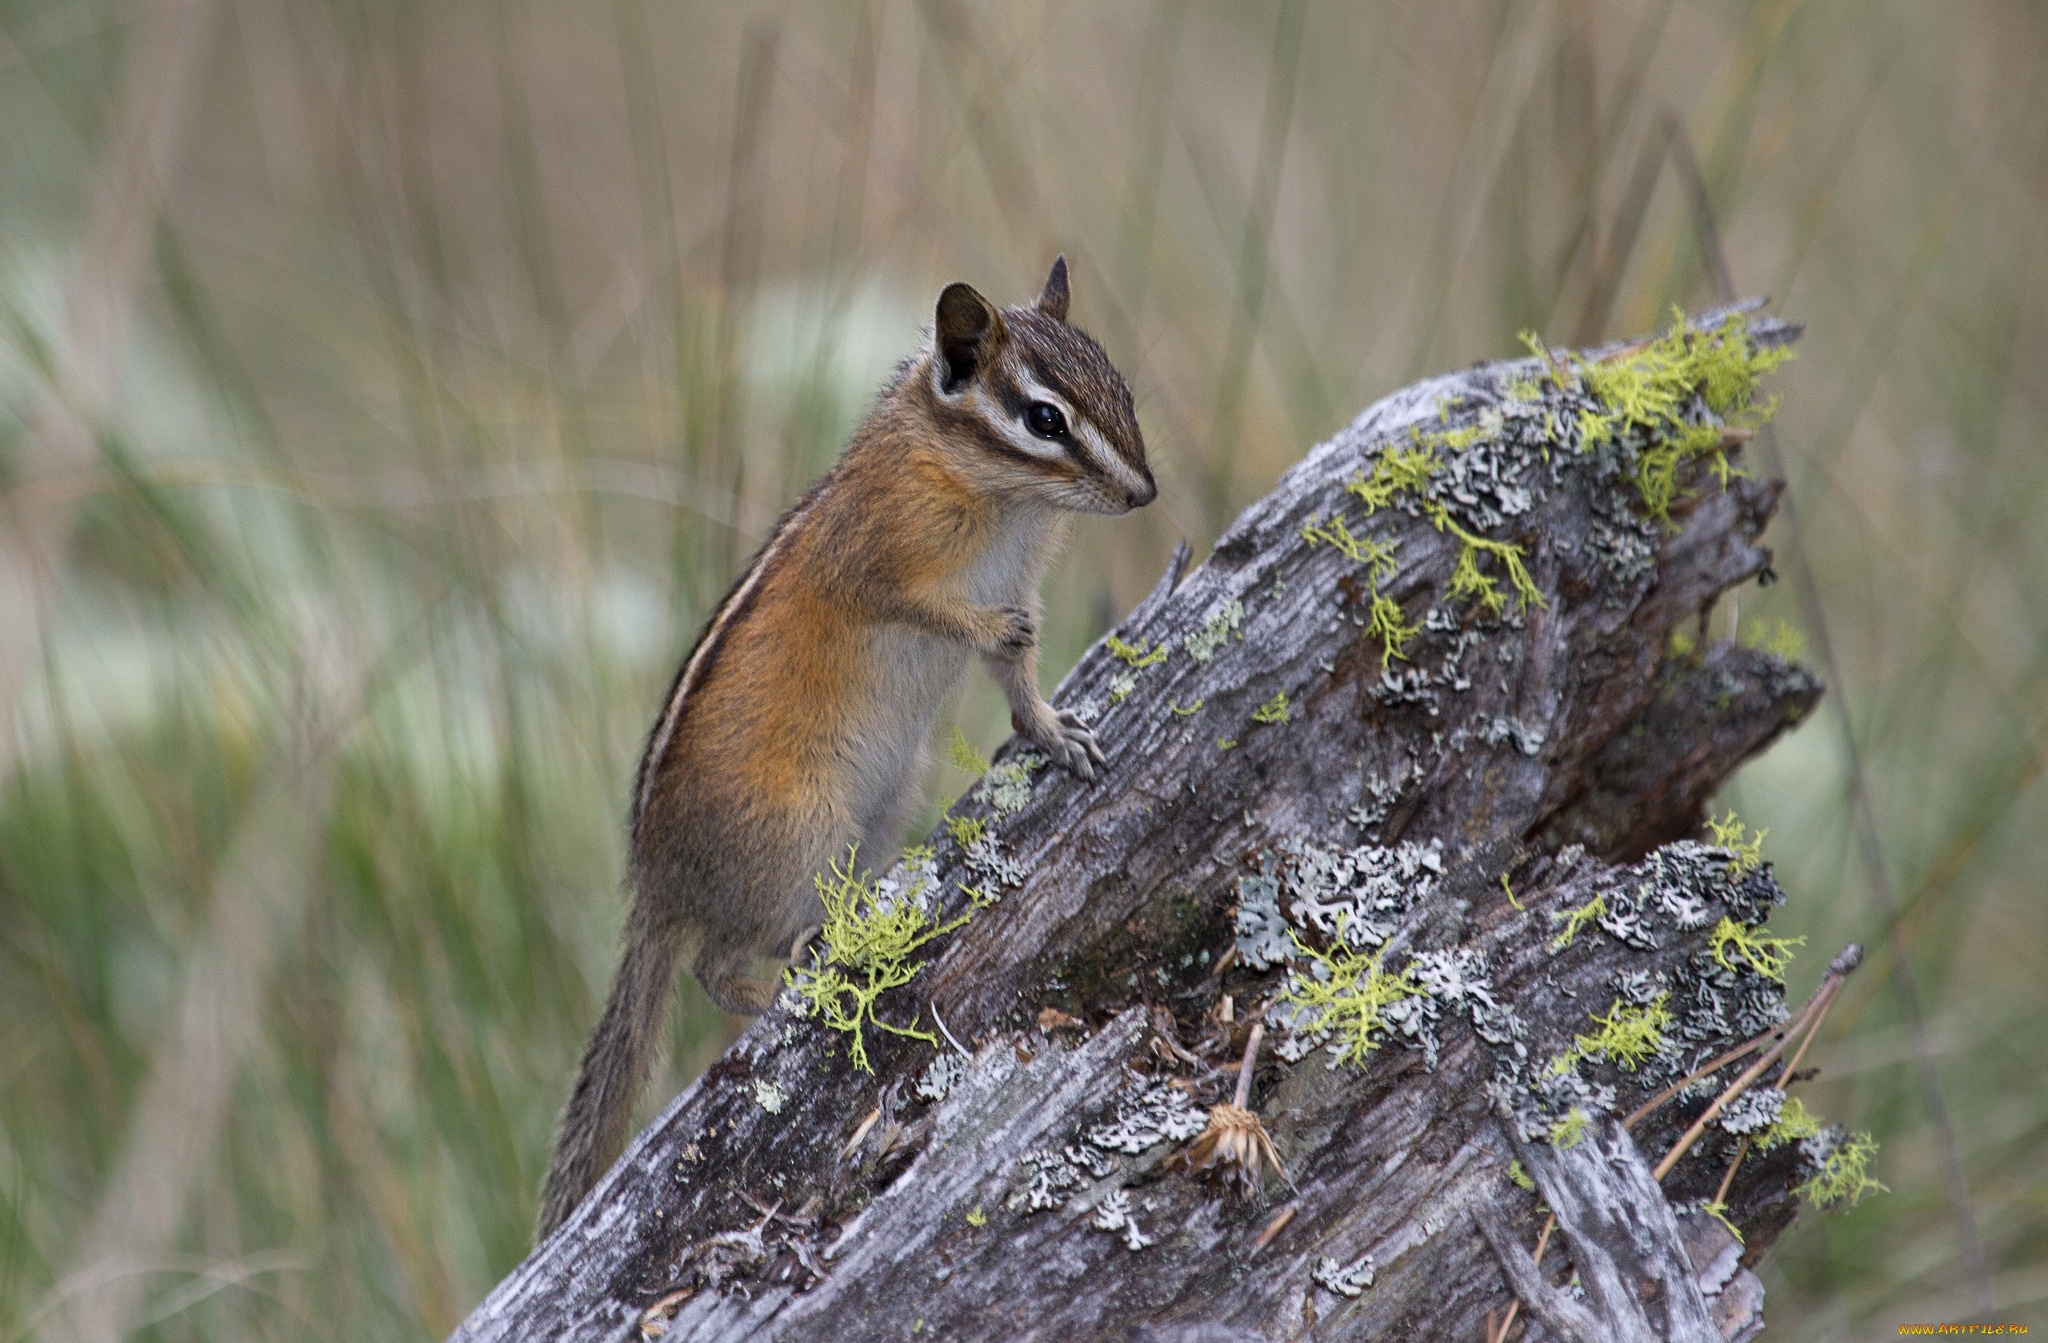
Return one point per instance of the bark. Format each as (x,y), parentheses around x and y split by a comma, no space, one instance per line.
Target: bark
(1561,747)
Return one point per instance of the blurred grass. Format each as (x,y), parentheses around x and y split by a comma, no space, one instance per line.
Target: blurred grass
(378,421)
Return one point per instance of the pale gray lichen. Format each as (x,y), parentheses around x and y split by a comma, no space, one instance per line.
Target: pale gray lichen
(1262,937)
(1499,729)
(1007,787)
(1752,1112)
(986,859)
(935,1083)
(1346,1280)
(769,1096)
(1154,1113)
(1052,1177)
(915,878)
(1221,621)
(1114,1213)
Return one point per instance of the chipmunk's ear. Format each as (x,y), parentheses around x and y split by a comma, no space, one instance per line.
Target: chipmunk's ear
(968,331)
(1052,300)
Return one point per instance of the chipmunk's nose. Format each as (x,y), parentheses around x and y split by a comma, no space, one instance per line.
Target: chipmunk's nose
(1147,493)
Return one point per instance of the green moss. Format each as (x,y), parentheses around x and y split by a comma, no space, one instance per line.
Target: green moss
(1844,1175)
(965,758)
(1729,833)
(965,831)
(1137,656)
(1576,919)
(1570,1131)
(1273,710)
(867,953)
(1627,1036)
(1346,992)
(1763,953)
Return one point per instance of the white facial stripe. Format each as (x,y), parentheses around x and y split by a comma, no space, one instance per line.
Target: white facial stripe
(688,681)
(1106,458)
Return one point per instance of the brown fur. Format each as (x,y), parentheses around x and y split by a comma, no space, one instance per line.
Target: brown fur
(762,767)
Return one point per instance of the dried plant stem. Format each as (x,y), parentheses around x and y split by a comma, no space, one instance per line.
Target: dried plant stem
(1805,1025)
(1816,1008)
(1820,1015)
(1244,1069)
(1515,1306)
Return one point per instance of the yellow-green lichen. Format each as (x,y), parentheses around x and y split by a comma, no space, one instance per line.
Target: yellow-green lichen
(1395,472)
(1519,1176)
(1407,470)
(1375,555)
(1345,992)
(1385,621)
(1763,953)
(1273,710)
(965,758)
(867,952)
(1844,1175)
(1792,1124)
(1730,834)
(1137,656)
(977,1217)
(1781,639)
(1569,1131)
(1120,687)
(1187,712)
(1510,892)
(965,830)
(1468,582)
(1574,920)
(1719,1212)
(1650,387)
(1628,1035)
(1226,743)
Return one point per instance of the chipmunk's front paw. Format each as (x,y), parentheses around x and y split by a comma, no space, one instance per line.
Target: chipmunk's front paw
(1017,632)
(1065,738)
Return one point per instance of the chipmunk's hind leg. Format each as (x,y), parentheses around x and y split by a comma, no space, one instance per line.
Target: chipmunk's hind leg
(727,983)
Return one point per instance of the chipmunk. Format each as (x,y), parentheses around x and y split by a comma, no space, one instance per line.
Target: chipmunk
(797,725)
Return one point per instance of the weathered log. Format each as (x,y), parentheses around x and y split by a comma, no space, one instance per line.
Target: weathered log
(1468,804)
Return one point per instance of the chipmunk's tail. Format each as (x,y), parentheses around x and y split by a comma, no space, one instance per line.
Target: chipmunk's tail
(615,1066)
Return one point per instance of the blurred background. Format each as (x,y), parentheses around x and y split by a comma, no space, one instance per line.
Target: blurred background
(389,389)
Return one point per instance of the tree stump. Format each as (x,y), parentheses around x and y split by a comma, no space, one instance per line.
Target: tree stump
(1442,837)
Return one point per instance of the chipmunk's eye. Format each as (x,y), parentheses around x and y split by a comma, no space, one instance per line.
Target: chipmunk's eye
(1045,420)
